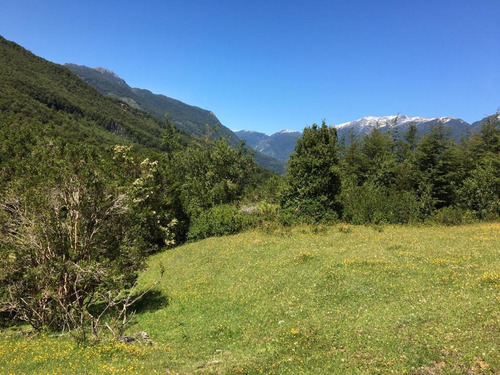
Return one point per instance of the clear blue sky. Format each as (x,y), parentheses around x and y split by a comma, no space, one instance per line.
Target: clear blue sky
(272,65)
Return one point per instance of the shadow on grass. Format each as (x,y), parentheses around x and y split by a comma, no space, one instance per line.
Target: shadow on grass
(8,319)
(150,302)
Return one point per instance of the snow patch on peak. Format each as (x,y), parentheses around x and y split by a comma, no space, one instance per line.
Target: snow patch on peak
(365,124)
(391,120)
(286,131)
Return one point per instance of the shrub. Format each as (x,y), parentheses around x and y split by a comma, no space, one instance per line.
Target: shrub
(71,243)
(478,193)
(219,221)
(453,216)
(308,212)
(369,204)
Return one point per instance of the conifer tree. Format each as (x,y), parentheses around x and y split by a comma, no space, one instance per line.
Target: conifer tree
(313,173)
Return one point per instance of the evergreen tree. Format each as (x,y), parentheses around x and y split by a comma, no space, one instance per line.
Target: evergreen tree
(438,164)
(313,174)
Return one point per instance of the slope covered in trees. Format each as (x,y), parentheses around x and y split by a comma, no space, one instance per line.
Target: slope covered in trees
(37,91)
(193,120)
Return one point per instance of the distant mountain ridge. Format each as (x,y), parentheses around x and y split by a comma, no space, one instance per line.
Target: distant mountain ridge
(193,120)
(458,128)
(278,145)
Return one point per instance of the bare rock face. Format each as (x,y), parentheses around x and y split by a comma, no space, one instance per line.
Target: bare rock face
(110,73)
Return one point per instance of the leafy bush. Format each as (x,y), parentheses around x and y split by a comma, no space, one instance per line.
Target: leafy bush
(212,173)
(369,204)
(308,211)
(76,237)
(478,192)
(220,221)
(453,216)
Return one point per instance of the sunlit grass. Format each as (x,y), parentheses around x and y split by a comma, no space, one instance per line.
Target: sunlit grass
(338,300)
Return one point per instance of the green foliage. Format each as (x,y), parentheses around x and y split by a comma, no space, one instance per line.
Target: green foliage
(440,166)
(378,158)
(314,174)
(387,178)
(371,204)
(267,188)
(220,221)
(487,140)
(212,173)
(453,216)
(76,231)
(479,192)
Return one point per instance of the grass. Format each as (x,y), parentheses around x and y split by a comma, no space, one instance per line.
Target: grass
(339,300)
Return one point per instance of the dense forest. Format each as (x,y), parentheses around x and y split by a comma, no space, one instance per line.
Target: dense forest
(90,187)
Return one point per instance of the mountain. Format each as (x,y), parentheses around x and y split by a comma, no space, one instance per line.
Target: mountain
(400,123)
(476,126)
(193,120)
(279,145)
(38,94)
(251,137)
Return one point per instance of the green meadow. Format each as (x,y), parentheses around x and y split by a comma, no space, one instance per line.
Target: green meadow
(309,300)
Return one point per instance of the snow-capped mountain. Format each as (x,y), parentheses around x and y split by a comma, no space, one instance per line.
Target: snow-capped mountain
(280,145)
(401,123)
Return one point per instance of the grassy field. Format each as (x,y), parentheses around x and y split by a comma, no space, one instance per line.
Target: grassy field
(336,300)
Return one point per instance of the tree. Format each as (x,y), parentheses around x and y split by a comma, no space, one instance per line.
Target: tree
(313,180)
(439,166)
(480,190)
(213,173)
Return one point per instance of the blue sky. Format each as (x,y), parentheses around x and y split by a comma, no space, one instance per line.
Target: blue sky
(272,65)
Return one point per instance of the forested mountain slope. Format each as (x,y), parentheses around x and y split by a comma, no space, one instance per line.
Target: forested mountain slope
(193,120)
(37,92)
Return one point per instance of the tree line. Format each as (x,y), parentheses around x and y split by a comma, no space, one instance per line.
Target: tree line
(78,220)
(389,177)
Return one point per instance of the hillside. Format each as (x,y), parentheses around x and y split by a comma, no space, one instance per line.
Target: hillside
(193,120)
(344,300)
(36,92)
